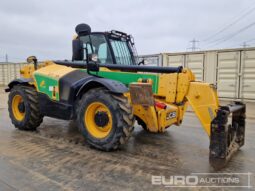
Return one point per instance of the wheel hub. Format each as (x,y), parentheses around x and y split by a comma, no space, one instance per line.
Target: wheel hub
(98,120)
(21,107)
(101,118)
(18,107)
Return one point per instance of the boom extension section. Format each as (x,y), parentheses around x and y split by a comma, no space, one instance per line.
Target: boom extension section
(225,138)
(129,68)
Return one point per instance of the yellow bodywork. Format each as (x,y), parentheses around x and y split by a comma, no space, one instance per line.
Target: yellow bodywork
(28,70)
(176,91)
(55,71)
(203,99)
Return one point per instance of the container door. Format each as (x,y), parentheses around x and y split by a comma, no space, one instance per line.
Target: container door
(175,60)
(247,80)
(195,62)
(227,74)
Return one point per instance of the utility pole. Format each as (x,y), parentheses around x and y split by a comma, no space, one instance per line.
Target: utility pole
(245,45)
(194,45)
(6,58)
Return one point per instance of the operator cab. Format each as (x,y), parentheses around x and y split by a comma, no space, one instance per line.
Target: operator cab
(112,47)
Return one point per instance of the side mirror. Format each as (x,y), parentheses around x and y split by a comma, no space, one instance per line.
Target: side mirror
(78,52)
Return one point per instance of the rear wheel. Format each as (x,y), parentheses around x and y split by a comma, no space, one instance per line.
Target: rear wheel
(105,120)
(23,108)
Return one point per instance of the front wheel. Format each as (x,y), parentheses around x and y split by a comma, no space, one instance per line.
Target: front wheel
(23,106)
(105,120)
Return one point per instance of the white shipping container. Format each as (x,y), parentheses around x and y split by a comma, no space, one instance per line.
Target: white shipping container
(247,80)
(195,62)
(232,70)
(175,60)
(151,60)
(228,74)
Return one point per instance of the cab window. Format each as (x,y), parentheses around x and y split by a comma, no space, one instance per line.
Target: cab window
(99,46)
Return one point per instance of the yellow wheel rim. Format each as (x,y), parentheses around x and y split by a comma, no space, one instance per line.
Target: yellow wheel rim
(16,101)
(90,123)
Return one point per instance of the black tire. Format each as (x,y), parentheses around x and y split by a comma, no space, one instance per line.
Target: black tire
(32,118)
(122,119)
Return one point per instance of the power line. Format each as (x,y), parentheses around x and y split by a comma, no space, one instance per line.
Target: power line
(245,45)
(248,43)
(219,41)
(231,24)
(250,40)
(252,44)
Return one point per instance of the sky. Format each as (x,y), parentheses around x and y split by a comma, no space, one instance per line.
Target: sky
(45,28)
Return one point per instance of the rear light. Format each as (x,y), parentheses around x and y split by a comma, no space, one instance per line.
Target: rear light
(160,105)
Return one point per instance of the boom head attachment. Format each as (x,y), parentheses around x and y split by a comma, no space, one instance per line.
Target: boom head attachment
(226,138)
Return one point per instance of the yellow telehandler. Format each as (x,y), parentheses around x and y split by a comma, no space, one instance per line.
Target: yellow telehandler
(106,89)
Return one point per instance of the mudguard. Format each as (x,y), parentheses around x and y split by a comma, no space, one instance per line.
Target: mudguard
(76,83)
(22,81)
(112,85)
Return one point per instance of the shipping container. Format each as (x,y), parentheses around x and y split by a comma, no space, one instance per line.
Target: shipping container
(151,60)
(247,75)
(231,70)
(228,67)
(195,62)
(174,60)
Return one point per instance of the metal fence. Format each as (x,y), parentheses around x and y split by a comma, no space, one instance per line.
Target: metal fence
(9,71)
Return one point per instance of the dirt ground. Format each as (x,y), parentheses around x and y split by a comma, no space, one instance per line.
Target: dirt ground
(56,157)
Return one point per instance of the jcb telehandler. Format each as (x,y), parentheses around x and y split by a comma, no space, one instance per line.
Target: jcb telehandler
(105,89)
